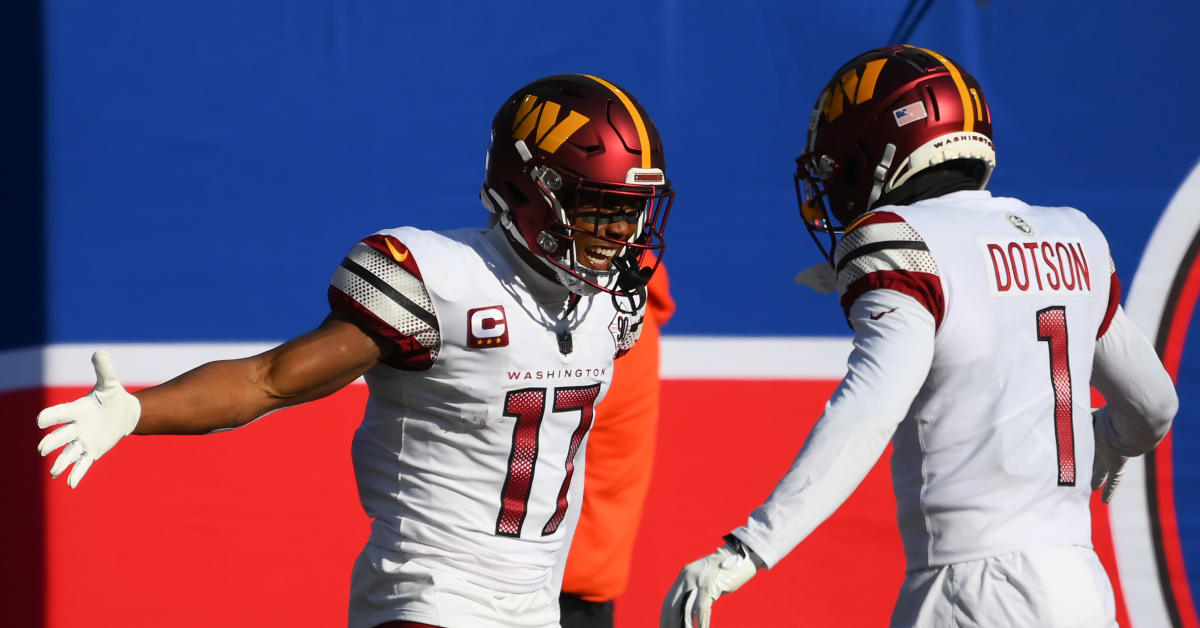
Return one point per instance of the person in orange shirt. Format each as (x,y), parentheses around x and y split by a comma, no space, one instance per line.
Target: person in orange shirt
(620,459)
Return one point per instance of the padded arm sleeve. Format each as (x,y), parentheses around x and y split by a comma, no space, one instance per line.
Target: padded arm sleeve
(380,288)
(893,350)
(1140,397)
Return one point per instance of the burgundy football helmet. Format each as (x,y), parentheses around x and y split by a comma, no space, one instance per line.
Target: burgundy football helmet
(885,116)
(573,141)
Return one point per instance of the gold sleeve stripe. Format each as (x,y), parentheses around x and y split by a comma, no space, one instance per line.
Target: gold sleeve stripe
(956,76)
(856,222)
(643,135)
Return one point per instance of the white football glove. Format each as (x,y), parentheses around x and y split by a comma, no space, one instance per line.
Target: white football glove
(689,602)
(1107,465)
(93,423)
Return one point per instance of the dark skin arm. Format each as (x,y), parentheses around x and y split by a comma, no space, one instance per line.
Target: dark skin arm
(232,393)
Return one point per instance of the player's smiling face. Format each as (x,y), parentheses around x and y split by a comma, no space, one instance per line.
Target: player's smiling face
(617,219)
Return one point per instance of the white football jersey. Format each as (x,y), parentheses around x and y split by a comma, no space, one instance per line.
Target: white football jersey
(992,443)
(996,450)
(471,448)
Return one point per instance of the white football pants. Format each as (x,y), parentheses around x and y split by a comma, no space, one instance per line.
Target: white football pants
(385,587)
(1061,586)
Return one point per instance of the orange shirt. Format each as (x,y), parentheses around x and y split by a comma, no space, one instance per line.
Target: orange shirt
(620,459)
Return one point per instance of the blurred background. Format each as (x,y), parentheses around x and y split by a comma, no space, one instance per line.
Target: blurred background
(180,179)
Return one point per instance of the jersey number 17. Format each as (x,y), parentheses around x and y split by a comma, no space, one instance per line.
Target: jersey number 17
(528,406)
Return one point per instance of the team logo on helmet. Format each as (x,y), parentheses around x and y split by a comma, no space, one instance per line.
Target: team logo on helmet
(544,193)
(851,87)
(886,116)
(551,133)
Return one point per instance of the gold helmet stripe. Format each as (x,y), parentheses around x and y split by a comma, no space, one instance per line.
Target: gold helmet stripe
(956,76)
(643,135)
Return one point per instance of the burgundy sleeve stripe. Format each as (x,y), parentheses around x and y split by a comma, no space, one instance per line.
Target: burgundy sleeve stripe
(926,288)
(419,312)
(875,247)
(1114,301)
(409,354)
(397,252)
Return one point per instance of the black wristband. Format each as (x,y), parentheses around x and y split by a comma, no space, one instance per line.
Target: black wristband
(736,545)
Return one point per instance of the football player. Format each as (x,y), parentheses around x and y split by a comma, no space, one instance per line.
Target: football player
(484,350)
(978,322)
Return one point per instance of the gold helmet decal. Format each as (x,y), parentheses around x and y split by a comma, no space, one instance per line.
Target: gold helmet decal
(850,86)
(551,133)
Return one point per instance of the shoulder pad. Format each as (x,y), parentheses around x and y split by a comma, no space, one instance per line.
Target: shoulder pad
(379,286)
(882,251)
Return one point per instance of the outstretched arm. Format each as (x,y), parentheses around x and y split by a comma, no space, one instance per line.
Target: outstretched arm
(231,393)
(218,395)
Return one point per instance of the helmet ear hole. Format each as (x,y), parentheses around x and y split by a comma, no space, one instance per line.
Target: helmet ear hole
(856,167)
(851,174)
(933,102)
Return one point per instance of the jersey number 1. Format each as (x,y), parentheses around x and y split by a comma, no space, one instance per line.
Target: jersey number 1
(1052,328)
(527,406)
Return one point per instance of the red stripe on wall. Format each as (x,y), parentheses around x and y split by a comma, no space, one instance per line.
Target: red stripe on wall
(260,526)
(722,446)
(1164,489)
(254,527)
(1102,540)
(1169,532)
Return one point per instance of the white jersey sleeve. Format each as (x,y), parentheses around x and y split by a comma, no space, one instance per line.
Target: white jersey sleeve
(893,347)
(379,287)
(890,291)
(1140,398)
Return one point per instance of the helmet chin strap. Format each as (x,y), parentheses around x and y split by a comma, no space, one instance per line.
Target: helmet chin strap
(632,281)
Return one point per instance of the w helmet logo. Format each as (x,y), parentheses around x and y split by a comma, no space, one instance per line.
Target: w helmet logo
(551,133)
(851,87)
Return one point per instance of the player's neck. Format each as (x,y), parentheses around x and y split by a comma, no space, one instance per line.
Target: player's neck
(927,185)
(537,279)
